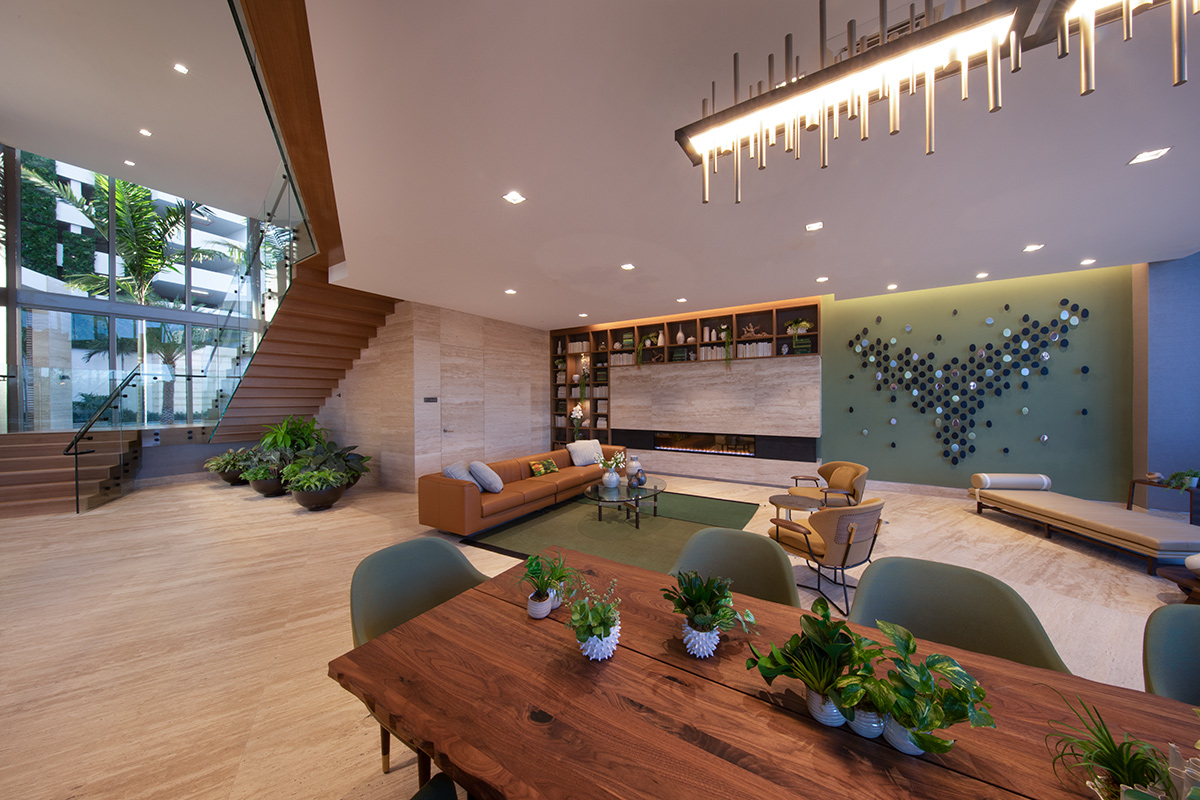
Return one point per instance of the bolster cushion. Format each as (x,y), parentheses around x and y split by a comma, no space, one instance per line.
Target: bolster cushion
(1010,480)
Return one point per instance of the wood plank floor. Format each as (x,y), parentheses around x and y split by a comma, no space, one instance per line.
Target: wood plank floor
(173,644)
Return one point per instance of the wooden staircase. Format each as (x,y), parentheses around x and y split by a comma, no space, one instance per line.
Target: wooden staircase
(317,334)
(36,478)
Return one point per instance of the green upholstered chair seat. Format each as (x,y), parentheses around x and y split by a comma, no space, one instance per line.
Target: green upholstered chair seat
(1171,653)
(756,565)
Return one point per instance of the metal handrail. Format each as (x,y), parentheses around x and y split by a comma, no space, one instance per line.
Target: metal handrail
(73,448)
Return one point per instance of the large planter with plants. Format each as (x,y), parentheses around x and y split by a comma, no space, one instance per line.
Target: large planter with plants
(268,487)
(229,465)
(316,489)
(596,622)
(707,605)
(328,455)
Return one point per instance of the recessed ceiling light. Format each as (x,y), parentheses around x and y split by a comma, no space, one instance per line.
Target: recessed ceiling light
(981,275)
(583,315)
(892,287)
(822,279)
(129,163)
(680,299)
(514,197)
(1149,155)
(181,69)
(1032,248)
(627,267)
(510,291)
(145,132)
(814,226)
(1087,262)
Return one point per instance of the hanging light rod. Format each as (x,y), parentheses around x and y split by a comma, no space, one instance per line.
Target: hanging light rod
(814,102)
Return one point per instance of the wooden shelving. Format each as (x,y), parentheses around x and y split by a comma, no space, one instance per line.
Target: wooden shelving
(768,330)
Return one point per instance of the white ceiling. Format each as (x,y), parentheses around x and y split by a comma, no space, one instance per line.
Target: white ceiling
(79,79)
(434,110)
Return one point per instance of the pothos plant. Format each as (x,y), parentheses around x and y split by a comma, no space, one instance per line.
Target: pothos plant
(595,615)
(706,603)
(818,656)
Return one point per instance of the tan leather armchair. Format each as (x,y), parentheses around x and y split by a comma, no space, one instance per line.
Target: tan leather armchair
(845,484)
(834,539)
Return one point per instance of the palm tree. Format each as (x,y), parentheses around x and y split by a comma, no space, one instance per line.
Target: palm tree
(143,233)
(166,342)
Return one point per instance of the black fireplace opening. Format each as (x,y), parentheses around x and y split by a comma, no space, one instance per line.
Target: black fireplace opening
(725,444)
(781,448)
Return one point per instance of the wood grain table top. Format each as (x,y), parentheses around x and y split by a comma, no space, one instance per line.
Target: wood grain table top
(510,708)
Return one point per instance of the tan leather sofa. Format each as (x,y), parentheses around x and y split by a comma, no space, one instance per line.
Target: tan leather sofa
(1156,539)
(460,507)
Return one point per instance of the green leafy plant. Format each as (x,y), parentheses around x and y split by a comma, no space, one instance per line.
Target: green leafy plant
(817,657)
(727,337)
(859,687)
(315,480)
(931,695)
(1182,479)
(1091,748)
(293,433)
(258,473)
(595,615)
(265,464)
(796,327)
(229,461)
(707,603)
(329,455)
(539,576)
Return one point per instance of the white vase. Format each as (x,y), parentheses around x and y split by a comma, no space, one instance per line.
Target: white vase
(539,609)
(679,337)
(555,598)
(700,644)
(1192,562)
(598,649)
(823,709)
(897,736)
(610,478)
(867,724)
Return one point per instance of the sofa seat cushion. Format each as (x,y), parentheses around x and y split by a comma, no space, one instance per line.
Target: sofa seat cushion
(533,489)
(506,499)
(571,478)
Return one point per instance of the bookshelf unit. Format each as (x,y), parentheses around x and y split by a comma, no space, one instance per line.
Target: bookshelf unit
(768,330)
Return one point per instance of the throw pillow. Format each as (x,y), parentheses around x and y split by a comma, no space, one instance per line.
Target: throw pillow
(585,453)
(486,477)
(543,467)
(460,472)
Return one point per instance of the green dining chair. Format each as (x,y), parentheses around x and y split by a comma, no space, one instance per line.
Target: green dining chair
(757,565)
(1171,653)
(955,606)
(397,583)
(439,787)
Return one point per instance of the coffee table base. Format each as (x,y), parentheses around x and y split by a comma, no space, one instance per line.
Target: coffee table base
(634,504)
(1187,581)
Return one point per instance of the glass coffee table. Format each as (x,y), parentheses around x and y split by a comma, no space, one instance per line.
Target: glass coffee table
(632,499)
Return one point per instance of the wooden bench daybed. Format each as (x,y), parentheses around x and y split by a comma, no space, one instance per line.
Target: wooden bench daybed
(1028,496)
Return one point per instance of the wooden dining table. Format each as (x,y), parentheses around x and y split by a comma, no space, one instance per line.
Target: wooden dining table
(510,708)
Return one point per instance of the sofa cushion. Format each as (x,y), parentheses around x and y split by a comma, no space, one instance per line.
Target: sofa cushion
(507,498)
(546,467)
(533,489)
(585,452)
(571,478)
(486,477)
(459,471)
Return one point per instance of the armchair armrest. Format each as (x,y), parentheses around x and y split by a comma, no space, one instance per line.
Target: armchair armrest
(791,526)
(797,478)
(827,491)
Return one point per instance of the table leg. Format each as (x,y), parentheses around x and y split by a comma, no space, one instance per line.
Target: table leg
(1192,517)
(637,515)
(1129,502)
(599,511)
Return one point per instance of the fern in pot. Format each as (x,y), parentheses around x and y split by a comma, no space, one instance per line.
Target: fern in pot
(818,657)
(707,605)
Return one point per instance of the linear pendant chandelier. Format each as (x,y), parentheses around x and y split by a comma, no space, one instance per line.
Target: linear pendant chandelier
(816,102)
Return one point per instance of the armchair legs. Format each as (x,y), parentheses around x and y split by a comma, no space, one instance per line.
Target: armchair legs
(424,762)
(837,572)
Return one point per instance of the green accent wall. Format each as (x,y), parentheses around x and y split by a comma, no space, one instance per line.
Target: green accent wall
(1086,455)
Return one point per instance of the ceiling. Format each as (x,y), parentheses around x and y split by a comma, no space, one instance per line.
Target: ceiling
(434,110)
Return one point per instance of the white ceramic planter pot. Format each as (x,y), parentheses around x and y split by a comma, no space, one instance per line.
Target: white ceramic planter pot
(555,599)
(867,724)
(610,478)
(539,609)
(599,649)
(823,710)
(897,736)
(700,644)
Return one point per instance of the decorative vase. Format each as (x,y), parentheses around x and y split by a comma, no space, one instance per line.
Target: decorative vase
(823,709)
(661,338)
(707,334)
(867,724)
(539,609)
(700,644)
(897,736)
(611,478)
(679,337)
(1192,562)
(318,499)
(599,648)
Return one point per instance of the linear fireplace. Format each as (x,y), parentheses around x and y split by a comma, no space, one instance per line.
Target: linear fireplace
(726,444)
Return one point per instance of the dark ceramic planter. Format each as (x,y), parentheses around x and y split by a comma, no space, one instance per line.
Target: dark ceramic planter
(271,487)
(233,478)
(318,498)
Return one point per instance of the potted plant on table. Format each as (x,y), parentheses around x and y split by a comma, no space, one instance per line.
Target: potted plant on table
(611,464)
(315,489)
(229,465)
(1183,480)
(596,622)
(930,695)
(817,657)
(866,696)
(550,579)
(707,605)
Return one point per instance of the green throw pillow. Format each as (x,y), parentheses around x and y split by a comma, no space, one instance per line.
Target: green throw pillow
(543,467)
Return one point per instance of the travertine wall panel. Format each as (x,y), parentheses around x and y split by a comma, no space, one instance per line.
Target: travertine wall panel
(768,396)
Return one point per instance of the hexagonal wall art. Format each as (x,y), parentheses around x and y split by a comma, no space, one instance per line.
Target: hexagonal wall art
(955,389)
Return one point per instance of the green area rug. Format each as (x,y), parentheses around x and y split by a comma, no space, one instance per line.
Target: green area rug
(656,545)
